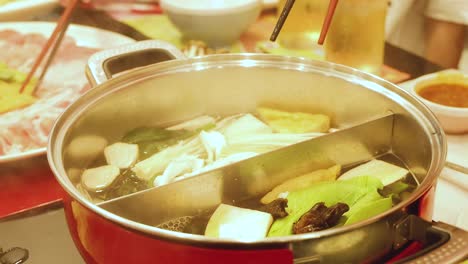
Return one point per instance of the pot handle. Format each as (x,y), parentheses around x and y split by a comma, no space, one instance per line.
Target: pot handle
(447,243)
(103,65)
(14,255)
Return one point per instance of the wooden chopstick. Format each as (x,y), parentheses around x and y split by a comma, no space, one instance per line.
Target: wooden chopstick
(51,45)
(284,15)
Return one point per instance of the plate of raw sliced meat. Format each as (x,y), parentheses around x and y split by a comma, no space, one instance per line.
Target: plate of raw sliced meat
(26,119)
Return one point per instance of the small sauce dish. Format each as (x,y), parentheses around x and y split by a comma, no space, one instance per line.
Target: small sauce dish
(446,94)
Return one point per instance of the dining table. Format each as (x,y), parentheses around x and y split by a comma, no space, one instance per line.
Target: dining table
(31,213)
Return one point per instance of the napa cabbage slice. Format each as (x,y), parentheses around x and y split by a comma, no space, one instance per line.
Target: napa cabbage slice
(157,163)
(302,182)
(213,142)
(179,166)
(245,125)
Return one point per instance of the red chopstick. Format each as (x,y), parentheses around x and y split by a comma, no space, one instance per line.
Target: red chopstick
(327,21)
(52,44)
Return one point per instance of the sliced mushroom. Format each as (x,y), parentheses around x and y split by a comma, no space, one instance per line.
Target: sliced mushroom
(121,155)
(97,179)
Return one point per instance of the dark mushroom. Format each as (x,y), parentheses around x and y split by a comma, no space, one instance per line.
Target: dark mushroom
(320,217)
(277,208)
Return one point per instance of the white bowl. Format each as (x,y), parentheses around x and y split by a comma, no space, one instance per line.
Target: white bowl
(452,119)
(216,22)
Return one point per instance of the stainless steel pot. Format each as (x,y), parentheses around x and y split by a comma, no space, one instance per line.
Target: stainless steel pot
(225,84)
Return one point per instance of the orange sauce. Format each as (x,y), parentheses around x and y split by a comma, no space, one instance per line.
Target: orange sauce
(455,95)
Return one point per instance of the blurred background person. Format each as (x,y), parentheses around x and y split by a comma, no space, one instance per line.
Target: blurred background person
(435,29)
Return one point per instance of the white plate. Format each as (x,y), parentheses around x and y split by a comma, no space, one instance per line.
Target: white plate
(83,35)
(457,144)
(26,9)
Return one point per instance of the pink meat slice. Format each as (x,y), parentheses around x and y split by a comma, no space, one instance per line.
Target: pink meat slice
(29,127)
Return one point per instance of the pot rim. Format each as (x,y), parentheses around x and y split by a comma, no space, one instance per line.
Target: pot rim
(428,119)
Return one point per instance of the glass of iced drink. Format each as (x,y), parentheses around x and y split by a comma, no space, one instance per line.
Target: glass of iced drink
(357,34)
(302,28)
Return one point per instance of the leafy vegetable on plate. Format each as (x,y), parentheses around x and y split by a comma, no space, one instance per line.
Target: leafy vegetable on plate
(11,81)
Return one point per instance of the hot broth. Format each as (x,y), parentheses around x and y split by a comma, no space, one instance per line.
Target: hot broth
(396,192)
(148,157)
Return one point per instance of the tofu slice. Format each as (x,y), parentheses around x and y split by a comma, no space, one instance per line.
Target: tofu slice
(121,155)
(236,223)
(386,172)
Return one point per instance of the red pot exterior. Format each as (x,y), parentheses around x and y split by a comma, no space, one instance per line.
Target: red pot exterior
(425,209)
(102,241)
(426,204)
